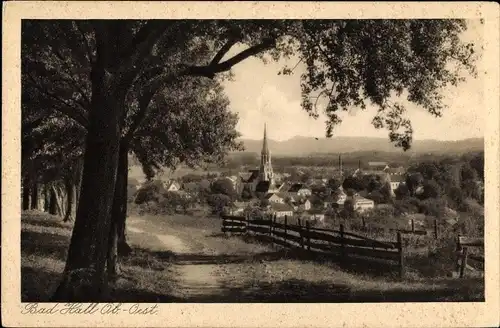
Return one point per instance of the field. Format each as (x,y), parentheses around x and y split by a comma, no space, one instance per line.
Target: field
(186,259)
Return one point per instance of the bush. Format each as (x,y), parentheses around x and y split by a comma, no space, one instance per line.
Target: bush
(217,202)
(433,207)
(150,192)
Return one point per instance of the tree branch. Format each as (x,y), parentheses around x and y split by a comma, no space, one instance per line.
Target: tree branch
(223,51)
(212,69)
(86,44)
(73,82)
(75,114)
(208,71)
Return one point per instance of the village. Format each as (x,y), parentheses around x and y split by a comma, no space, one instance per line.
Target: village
(263,191)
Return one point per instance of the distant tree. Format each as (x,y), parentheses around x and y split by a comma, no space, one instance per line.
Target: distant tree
(223,186)
(377,197)
(190,177)
(218,202)
(374,182)
(477,163)
(264,202)
(247,193)
(467,173)
(429,170)
(457,196)
(350,192)
(334,183)
(433,207)
(386,192)
(354,183)
(402,191)
(431,189)
(413,181)
(348,210)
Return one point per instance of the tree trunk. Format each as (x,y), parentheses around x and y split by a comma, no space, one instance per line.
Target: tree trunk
(78,183)
(123,247)
(117,243)
(70,190)
(46,195)
(53,201)
(26,194)
(34,196)
(84,277)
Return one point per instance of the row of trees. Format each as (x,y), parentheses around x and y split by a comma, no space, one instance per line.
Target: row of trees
(153,88)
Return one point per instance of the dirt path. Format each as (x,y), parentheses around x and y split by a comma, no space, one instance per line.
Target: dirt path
(192,279)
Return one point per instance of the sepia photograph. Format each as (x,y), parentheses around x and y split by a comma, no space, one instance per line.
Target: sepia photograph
(218,160)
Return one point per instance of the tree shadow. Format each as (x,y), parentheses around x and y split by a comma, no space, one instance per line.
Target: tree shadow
(44,244)
(352,264)
(46,220)
(301,291)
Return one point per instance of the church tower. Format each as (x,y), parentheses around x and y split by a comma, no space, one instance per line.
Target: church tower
(266,169)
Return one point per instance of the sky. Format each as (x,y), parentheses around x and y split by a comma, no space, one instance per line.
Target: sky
(259,95)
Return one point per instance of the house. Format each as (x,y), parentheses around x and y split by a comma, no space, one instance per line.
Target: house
(171,185)
(395,181)
(237,208)
(362,204)
(304,205)
(274,198)
(357,173)
(284,187)
(281,210)
(392,171)
(315,214)
(339,197)
(298,189)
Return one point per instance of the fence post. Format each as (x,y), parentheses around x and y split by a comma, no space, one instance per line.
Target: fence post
(464,262)
(284,236)
(342,244)
(401,256)
(308,236)
(458,254)
(412,226)
(271,226)
(301,234)
(435,229)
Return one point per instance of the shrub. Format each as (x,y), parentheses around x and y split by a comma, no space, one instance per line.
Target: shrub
(217,202)
(149,192)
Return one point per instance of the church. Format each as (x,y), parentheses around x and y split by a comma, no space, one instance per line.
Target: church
(262,181)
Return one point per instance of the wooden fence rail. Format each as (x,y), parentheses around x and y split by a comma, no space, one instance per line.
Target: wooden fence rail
(302,235)
(463,244)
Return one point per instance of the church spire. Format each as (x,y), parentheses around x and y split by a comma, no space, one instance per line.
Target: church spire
(265,149)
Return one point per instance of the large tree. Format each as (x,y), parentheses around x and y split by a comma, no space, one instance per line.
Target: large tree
(350,63)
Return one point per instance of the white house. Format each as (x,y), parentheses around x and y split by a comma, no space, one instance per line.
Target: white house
(362,204)
(171,185)
(339,197)
(274,198)
(281,210)
(395,181)
(304,205)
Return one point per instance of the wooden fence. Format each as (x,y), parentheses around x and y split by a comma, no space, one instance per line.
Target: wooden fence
(463,244)
(338,242)
(412,231)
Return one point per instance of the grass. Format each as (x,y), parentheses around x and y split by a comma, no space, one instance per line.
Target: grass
(217,268)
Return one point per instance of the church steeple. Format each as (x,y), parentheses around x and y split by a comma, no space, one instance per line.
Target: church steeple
(266,169)
(265,149)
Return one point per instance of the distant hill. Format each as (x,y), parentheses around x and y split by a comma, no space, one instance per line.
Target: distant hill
(303,146)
